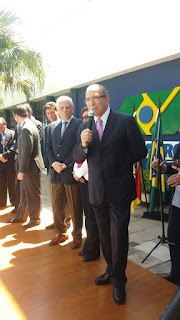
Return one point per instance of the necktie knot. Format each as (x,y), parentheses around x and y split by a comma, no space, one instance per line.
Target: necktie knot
(100,128)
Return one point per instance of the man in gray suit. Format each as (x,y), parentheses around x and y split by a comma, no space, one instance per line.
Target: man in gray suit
(38,124)
(61,138)
(30,164)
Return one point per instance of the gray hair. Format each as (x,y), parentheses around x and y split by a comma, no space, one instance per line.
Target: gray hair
(97,86)
(64,98)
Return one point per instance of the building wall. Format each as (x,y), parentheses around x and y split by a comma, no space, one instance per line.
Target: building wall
(159,77)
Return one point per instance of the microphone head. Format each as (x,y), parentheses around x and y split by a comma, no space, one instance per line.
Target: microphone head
(91,113)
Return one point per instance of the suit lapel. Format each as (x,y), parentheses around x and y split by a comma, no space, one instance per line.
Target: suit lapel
(7,137)
(110,124)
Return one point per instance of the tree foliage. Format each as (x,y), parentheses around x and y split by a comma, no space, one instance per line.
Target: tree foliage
(20,67)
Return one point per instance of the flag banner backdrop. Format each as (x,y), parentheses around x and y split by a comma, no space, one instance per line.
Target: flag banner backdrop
(153,176)
(137,176)
(146,106)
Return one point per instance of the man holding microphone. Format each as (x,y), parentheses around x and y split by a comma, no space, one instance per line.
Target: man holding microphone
(111,147)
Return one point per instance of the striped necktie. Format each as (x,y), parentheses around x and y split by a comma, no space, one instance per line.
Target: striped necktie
(64,127)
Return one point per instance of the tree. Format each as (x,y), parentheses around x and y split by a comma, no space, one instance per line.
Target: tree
(21,68)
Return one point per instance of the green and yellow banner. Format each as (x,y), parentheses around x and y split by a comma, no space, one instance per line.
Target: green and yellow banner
(146,106)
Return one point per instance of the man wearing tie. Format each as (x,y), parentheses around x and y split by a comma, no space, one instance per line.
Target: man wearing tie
(7,164)
(60,141)
(52,115)
(111,148)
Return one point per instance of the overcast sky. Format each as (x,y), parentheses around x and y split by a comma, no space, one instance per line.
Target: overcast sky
(82,40)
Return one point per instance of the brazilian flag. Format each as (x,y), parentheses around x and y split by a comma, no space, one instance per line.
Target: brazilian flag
(153,177)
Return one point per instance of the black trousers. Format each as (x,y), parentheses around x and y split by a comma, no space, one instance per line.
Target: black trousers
(113,232)
(30,198)
(7,181)
(174,242)
(91,245)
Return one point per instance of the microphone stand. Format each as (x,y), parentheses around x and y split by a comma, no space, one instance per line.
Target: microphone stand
(163,238)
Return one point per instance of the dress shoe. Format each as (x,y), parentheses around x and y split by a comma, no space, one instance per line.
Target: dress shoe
(51,226)
(32,223)
(81,253)
(76,243)
(2,207)
(14,220)
(103,279)
(86,259)
(14,210)
(166,276)
(119,295)
(58,239)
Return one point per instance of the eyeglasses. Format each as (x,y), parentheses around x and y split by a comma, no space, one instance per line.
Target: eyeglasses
(94,98)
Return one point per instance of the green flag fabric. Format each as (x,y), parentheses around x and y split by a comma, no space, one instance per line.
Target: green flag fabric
(153,177)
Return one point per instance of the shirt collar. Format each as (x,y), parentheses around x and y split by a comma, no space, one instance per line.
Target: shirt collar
(67,120)
(104,117)
(3,133)
(22,123)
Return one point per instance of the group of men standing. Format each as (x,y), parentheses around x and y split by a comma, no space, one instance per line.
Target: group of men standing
(110,148)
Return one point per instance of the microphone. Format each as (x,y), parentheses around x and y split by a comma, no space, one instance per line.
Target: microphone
(90,119)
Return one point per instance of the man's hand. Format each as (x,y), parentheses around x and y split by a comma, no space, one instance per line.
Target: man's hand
(57,167)
(155,164)
(177,168)
(2,159)
(20,176)
(63,166)
(82,180)
(174,180)
(86,137)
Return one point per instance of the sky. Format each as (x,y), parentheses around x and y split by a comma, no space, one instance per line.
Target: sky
(83,40)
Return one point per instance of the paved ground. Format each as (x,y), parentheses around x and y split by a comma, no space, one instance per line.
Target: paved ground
(143,236)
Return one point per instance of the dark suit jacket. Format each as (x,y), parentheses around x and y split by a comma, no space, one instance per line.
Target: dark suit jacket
(46,135)
(110,162)
(38,125)
(9,152)
(29,156)
(61,149)
(170,170)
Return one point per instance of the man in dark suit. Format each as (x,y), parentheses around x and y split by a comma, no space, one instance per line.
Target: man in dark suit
(52,115)
(30,163)
(61,139)
(7,164)
(111,148)
(173,233)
